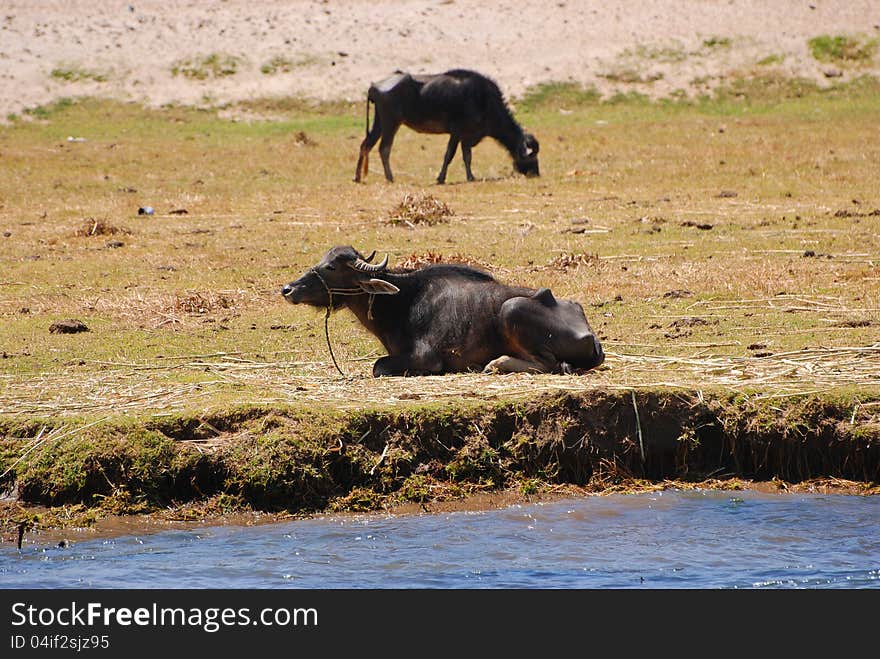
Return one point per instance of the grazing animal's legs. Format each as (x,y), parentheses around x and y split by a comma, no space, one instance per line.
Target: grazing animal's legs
(466,156)
(368,143)
(385,149)
(450,152)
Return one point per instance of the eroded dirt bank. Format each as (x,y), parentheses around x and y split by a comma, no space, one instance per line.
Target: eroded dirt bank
(264,462)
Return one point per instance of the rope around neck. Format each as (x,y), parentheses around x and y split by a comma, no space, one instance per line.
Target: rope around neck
(327,320)
(327,336)
(340,291)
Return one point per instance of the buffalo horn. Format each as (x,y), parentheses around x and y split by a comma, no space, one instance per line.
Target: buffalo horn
(370,257)
(363,266)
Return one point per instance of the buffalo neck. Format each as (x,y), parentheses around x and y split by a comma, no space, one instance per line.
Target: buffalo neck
(373,310)
(384,315)
(507,131)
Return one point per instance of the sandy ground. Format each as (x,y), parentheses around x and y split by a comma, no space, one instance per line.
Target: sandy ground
(334,49)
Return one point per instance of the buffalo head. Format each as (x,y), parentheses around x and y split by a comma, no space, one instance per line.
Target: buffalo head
(343,272)
(526,161)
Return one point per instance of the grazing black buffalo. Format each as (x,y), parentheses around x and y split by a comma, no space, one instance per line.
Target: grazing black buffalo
(450,318)
(465,104)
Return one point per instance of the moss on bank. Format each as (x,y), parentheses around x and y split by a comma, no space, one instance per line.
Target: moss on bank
(276,459)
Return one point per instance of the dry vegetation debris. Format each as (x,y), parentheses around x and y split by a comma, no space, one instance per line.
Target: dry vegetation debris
(130,386)
(69,326)
(93,227)
(573,261)
(302,139)
(416,261)
(420,209)
(843,212)
(199,303)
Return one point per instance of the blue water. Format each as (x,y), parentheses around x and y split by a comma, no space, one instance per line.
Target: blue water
(670,539)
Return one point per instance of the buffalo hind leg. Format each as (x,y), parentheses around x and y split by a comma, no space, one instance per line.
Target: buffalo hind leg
(555,333)
(363,163)
(368,143)
(508,364)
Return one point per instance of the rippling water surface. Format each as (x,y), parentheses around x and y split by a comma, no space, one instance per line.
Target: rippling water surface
(671,539)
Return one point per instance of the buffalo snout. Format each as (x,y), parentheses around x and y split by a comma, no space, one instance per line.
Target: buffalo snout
(528,167)
(289,293)
(308,289)
(298,292)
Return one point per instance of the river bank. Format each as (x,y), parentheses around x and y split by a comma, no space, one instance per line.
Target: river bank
(61,526)
(252,465)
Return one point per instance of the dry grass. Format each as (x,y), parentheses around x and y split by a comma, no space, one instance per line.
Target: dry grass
(420,209)
(792,262)
(416,261)
(573,261)
(302,139)
(198,303)
(93,227)
(215,381)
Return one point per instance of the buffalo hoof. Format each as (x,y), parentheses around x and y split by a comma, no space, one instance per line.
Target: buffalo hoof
(508,364)
(492,367)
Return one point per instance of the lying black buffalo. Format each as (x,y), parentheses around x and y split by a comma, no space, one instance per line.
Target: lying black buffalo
(465,104)
(450,318)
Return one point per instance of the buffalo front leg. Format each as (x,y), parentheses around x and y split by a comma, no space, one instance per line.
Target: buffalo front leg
(409,364)
(385,152)
(466,156)
(450,152)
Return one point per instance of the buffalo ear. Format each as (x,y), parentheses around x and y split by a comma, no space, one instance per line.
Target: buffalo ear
(378,287)
(530,146)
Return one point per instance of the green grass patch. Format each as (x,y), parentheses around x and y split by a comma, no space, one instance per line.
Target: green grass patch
(772,92)
(47,111)
(843,49)
(631,76)
(132,466)
(771,60)
(713,43)
(672,54)
(280,64)
(556,94)
(215,65)
(77,74)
